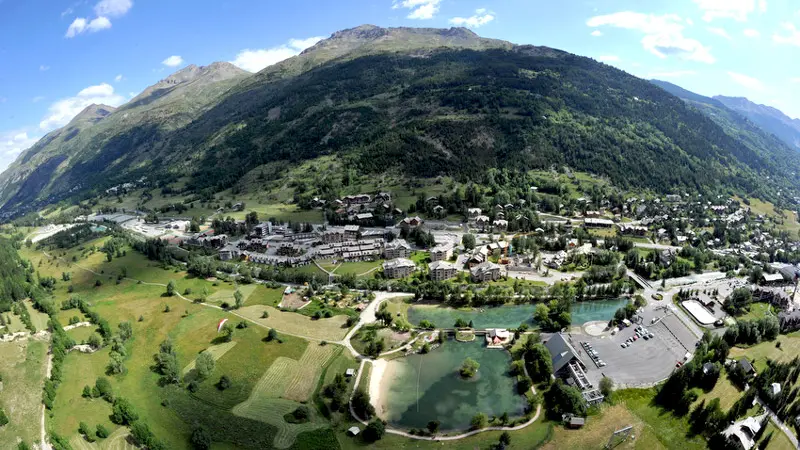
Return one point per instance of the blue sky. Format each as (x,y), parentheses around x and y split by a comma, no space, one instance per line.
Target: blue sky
(59,56)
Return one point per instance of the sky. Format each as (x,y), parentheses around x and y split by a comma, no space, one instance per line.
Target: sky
(59,56)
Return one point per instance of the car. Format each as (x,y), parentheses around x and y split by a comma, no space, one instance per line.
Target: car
(623,345)
(651,335)
(601,363)
(645,337)
(679,364)
(636,338)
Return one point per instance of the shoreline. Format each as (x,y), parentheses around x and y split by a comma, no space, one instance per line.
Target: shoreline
(377,392)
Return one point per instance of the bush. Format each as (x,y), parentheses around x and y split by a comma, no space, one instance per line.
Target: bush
(200,439)
(479,421)
(101,431)
(374,431)
(469,368)
(123,413)
(223,383)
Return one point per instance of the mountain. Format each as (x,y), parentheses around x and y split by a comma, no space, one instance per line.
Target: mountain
(424,102)
(735,124)
(767,117)
(102,140)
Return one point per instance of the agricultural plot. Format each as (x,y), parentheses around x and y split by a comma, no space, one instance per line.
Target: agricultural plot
(264,296)
(22,365)
(226,295)
(271,411)
(216,351)
(118,440)
(331,329)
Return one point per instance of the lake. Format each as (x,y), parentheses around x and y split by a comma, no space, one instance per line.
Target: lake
(419,388)
(510,316)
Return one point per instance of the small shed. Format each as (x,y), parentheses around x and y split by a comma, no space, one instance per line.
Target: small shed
(354,430)
(576,422)
(350,372)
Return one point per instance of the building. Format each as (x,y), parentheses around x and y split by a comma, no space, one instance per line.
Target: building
(772,278)
(747,368)
(598,223)
(473,213)
(398,248)
(632,230)
(332,235)
(229,252)
(500,224)
(398,268)
(485,271)
(482,221)
(351,232)
(442,270)
(741,433)
(562,353)
(442,252)
(497,337)
(411,223)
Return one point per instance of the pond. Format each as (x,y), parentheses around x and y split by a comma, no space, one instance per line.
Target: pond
(510,316)
(419,388)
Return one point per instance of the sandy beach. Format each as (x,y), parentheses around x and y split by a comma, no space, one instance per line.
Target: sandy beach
(377,385)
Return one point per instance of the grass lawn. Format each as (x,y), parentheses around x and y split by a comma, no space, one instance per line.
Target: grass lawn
(39,319)
(265,296)
(666,428)
(22,365)
(759,354)
(81,334)
(598,430)
(399,309)
(724,390)
(331,329)
(757,311)
(226,295)
(779,440)
(358,268)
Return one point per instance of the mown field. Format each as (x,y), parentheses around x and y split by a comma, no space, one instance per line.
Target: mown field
(22,367)
(114,291)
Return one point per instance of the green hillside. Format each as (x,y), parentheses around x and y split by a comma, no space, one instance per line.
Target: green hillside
(419,102)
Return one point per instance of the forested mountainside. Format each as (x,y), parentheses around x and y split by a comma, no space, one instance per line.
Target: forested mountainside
(424,101)
(739,126)
(768,118)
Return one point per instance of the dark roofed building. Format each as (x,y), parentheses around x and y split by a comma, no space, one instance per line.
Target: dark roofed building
(561,353)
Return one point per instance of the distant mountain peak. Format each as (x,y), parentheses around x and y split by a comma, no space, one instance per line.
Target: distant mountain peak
(93,113)
(210,74)
(767,117)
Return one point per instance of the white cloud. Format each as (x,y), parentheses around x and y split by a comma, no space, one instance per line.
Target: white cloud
(795,80)
(112,8)
(597,33)
(62,111)
(12,143)
(663,35)
(481,17)
(737,10)
(762,6)
(81,25)
(420,9)
(751,33)
(258,59)
(719,32)
(37,99)
(672,74)
(173,61)
(608,58)
(119,78)
(791,37)
(44,68)
(746,81)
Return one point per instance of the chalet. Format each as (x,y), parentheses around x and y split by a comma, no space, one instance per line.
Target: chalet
(482,221)
(500,224)
(479,256)
(332,235)
(359,199)
(499,247)
(229,252)
(742,433)
(398,268)
(473,213)
(398,248)
(442,252)
(632,230)
(442,270)
(485,271)
(411,223)
(747,368)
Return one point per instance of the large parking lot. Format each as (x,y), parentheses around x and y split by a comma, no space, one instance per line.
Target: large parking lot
(643,362)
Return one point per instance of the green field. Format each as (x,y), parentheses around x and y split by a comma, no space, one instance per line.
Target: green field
(22,366)
(667,429)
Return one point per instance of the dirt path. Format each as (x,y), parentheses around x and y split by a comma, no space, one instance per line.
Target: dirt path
(43,429)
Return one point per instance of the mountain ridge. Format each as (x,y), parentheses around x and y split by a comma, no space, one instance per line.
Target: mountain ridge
(424,101)
(767,117)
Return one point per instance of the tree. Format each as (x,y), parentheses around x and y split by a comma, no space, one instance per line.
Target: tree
(524,385)
(3,418)
(540,365)
(479,421)
(362,404)
(272,335)
(104,389)
(200,439)
(469,368)
(505,438)
(122,413)
(238,298)
(738,302)
(433,426)
(171,287)
(468,241)
(606,386)
(561,399)
(101,431)
(223,383)
(374,431)
(204,365)
(83,428)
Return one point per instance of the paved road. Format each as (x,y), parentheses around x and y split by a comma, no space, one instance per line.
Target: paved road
(779,423)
